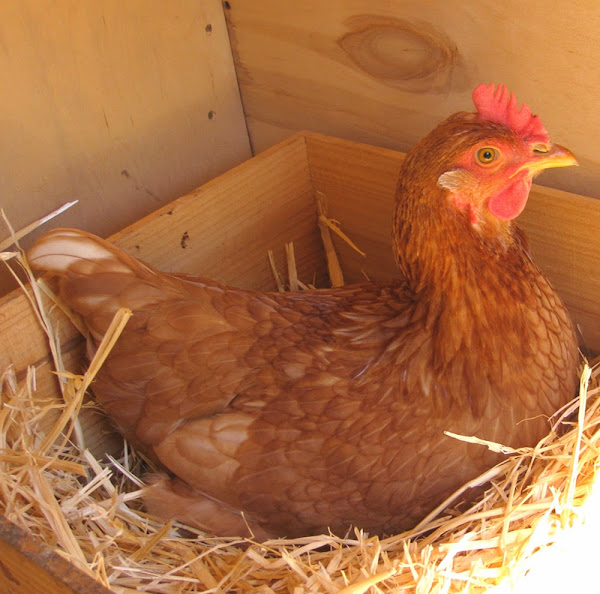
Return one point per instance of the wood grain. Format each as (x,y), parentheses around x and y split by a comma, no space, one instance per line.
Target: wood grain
(124,106)
(27,566)
(224,228)
(386,72)
(408,55)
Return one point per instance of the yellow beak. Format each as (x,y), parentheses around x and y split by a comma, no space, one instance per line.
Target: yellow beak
(556,156)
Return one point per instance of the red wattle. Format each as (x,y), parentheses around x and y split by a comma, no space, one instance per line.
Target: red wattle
(510,202)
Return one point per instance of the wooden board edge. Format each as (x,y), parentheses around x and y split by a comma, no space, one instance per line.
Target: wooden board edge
(27,565)
(119,237)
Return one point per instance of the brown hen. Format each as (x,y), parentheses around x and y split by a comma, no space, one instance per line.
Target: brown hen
(297,413)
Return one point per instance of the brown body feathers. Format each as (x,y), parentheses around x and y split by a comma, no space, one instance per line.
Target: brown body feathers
(324,409)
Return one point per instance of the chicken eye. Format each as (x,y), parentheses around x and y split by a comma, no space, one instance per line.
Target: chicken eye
(487,155)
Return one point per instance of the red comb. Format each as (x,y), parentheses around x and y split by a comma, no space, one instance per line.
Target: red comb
(500,105)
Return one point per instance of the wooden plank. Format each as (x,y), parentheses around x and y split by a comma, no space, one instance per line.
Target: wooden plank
(563,229)
(223,229)
(360,182)
(124,106)
(386,72)
(27,566)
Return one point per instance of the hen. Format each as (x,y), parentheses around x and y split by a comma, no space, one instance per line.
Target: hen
(296,413)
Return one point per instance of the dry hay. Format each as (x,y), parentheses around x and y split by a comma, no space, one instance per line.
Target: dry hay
(534,518)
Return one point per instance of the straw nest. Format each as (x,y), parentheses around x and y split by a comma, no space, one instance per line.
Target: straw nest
(536,517)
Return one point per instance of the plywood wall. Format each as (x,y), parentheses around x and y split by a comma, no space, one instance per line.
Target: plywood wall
(122,105)
(385,71)
(128,105)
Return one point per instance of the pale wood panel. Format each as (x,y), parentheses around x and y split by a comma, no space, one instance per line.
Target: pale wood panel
(563,229)
(359,184)
(223,229)
(385,72)
(108,102)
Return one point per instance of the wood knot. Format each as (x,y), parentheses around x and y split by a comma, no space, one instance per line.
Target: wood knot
(183,242)
(411,55)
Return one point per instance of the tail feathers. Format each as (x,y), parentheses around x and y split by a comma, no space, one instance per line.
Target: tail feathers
(95,277)
(63,251)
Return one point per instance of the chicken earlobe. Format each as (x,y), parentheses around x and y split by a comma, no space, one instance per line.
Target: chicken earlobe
(455,179)
(505,205)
